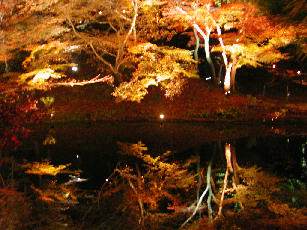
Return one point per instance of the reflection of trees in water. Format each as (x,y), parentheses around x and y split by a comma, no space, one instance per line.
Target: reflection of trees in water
(146,191)
(142,188)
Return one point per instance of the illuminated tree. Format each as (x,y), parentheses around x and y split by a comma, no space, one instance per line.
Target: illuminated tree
(163,66)
(105,30)
(246,36)
(147,183)
(257,37)
(115,22)
(102,28)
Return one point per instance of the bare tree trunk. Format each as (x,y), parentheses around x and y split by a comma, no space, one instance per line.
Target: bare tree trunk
(196,45)
(120,52)
(114,67)
(233,78)
(233,72)
(219,75)
(227,79)
(208,57)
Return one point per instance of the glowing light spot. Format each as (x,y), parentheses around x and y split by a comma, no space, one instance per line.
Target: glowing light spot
(124,11)
(299,72)
(208,78)
(107,180)
(66,195)
(77,156)
(148,3)
(74,47)
(273,66)
(74,68)
(237,39)
(100,12)
(162,116)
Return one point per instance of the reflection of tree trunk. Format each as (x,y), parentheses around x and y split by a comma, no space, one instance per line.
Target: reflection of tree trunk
(232,165)
(232,168)
(6,64)
(223,193)
(199,182)
(209,199)
(235,166)
(140,202)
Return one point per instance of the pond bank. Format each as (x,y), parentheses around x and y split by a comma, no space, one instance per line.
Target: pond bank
(198,102)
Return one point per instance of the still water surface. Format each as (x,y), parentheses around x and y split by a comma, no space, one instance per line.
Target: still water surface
(92,147)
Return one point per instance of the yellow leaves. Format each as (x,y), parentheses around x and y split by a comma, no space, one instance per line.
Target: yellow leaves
(156,177)
(50,140)
(159,66)
(134,90)
(39,77)
(132,149)
(252,54)
(141,48)
(259,186)
(50,47)
(44,168)
(152,51)
(42,75)
(235,48)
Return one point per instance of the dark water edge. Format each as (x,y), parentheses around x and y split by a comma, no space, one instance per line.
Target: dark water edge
(92,147)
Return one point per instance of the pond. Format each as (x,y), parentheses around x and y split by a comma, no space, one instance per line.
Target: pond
(94,149)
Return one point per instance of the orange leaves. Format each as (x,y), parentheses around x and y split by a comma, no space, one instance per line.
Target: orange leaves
(55,193)
(44,168)
(159,66)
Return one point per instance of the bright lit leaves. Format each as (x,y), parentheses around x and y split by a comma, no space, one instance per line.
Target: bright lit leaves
(44,168)
(160,66)
(160,178)
(39,77)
